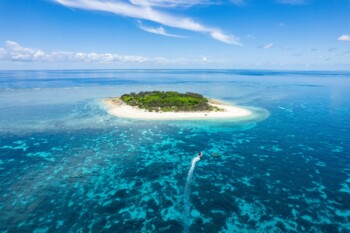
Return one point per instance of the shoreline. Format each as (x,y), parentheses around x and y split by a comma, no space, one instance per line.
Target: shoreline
(118,108)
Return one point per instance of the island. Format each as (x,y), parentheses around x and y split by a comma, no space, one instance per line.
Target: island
(172,105)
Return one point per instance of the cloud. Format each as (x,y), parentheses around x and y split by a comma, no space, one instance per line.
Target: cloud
(147,12)
(344,38)
(17,53)
(14,52)
(218,35)
(158,30)
(205,59)
(268,46)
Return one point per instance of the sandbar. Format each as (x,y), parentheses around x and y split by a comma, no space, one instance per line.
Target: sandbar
(118,108)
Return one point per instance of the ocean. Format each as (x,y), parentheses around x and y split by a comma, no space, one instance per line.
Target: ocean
(68,166)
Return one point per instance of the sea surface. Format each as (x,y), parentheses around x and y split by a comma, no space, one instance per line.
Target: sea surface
(68,166)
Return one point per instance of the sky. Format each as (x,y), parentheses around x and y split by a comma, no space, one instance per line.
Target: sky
(176,34)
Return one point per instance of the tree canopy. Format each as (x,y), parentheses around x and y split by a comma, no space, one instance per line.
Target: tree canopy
(169,101)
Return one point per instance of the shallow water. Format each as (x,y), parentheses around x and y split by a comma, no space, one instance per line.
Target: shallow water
(67,166)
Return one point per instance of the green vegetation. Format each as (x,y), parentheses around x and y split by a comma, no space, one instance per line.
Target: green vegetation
(170,101)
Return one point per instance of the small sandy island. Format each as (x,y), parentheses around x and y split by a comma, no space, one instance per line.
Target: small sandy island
(118,108)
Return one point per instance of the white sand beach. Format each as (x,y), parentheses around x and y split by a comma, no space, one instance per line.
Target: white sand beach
(120,109)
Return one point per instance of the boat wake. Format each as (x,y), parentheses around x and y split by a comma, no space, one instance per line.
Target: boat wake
(187,200)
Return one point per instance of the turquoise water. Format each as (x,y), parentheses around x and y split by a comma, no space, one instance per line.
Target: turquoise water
(67,166)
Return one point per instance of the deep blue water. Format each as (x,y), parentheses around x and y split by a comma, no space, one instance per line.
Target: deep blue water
(67,166)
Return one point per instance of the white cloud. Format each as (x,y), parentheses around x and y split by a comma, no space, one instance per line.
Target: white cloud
(14,52)
(268,46)
(344,38)
(158,30)
(17,53)
(146,12)
(218,35)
